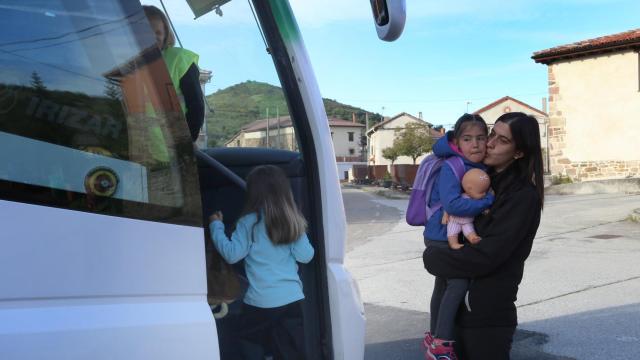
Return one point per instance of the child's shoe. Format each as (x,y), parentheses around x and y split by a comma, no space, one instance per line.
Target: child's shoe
(441,350)
(428,340)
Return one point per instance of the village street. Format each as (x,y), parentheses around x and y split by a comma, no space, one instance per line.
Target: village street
(579,298)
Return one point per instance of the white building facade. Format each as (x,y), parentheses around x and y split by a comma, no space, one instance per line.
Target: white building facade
(383,134)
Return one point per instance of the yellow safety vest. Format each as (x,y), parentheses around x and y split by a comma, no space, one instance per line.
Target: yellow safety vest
(178,61)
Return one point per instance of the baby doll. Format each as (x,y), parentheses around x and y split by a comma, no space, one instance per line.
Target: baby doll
(475,184)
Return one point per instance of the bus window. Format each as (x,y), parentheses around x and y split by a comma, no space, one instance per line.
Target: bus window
(88,116)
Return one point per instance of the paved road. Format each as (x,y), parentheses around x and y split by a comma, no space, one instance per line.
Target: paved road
(578,300)
(366,218)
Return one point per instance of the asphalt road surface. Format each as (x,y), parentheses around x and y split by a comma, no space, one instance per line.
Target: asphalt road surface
(578,299)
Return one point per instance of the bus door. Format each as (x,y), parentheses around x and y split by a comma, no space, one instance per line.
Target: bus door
(258,118)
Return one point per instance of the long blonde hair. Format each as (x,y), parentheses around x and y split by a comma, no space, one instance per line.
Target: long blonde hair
(269,195)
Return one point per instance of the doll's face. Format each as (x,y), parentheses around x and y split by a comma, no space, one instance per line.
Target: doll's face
(476,183)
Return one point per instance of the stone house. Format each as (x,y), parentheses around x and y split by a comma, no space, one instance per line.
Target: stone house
(594,106)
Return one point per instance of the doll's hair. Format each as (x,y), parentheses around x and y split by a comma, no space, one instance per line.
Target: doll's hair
(475,180)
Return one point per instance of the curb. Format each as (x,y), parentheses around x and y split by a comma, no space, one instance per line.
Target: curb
(390,194)
(379,191)
(614,186)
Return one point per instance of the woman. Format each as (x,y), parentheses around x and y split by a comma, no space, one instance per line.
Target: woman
(183,69)
(486,324)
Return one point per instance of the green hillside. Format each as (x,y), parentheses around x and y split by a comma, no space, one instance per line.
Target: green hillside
(246,102)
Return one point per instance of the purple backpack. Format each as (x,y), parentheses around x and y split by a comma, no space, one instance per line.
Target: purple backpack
(419,211)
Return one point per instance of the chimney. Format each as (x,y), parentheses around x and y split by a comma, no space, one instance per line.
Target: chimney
(420,115)
(544,105)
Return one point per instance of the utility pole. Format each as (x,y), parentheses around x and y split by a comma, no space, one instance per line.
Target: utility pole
(267,127)
(366,136)
(278,122)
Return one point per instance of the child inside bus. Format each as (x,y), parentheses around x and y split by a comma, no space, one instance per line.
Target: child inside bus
(467,141)
(270,237)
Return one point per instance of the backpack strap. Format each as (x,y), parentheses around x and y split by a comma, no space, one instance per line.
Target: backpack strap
(457,165)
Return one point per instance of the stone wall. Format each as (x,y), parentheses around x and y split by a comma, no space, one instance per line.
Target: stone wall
(593,170)
(587,111)
(557,129)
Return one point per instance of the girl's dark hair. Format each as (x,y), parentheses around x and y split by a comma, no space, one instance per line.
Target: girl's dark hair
(525,131)
(153,13)
(269,195)
(467,120)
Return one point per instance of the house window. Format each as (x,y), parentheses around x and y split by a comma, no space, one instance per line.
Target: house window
(350,136)
(352,151)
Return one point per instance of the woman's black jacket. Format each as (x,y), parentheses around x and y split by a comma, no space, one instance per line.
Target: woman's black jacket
(496,264)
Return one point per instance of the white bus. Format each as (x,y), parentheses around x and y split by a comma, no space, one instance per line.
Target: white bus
(103,198)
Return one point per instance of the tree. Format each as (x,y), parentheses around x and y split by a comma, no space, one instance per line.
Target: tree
(36,82)
(113,91)
(363,141)
(363,147)
(391,153)
(413,141)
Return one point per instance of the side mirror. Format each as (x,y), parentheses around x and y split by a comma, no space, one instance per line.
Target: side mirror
(389,17)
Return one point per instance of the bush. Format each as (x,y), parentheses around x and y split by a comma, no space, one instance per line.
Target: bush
(560,179)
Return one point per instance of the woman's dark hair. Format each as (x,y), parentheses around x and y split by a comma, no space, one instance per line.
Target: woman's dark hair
(525,131)
(153,13)
(269,195)
(467,120)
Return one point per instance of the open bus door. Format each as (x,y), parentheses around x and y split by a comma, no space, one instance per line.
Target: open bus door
(103,197)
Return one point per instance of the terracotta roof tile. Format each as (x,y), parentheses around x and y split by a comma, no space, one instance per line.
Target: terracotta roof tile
(435,133)
(345,123)
(627,39)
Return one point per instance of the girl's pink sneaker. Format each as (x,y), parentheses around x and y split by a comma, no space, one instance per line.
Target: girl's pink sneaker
(439,349)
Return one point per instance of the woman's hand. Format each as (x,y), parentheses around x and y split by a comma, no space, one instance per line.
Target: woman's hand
(445,218)
(215,216)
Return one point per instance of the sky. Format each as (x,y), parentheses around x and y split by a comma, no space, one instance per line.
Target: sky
(453,56)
